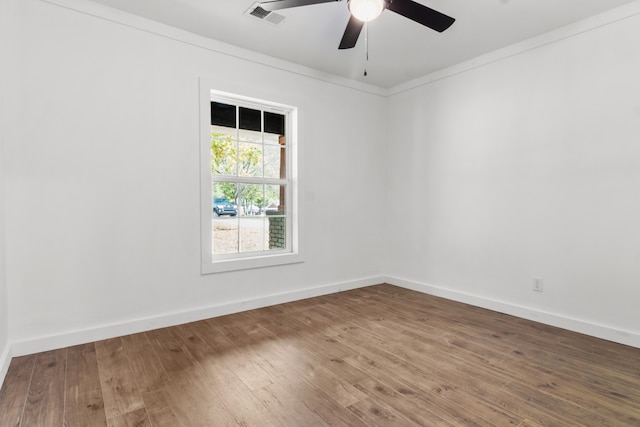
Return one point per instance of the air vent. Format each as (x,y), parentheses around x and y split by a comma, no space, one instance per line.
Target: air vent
(259,12)
(264,15)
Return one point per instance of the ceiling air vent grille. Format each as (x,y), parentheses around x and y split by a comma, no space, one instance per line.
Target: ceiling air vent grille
(264,15)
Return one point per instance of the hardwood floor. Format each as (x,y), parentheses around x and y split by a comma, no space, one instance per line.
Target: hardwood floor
(377,356)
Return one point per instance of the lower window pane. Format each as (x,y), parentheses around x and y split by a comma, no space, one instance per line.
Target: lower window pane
(254,234)
(224,218)
(277,232)
(225,235)
(248,217)
(274,198)
(250,198)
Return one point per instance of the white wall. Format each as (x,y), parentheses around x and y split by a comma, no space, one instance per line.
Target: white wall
(102,179)
(523,167)
(526,166)
(4,318)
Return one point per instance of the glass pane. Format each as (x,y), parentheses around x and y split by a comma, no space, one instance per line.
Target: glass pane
(249,159)
(220,131)
(275,212)
(253,234)
(224,218)
(274,156)
(273,139)
(273,123)
(274,199)
(250,119)
(250,135)
(225,235)
(223,114)
(223,199)
(250,197)
(277,232)
(223,154)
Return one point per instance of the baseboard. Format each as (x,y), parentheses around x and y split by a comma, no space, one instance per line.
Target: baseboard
(100,332)
(5,360)
(582,326)
(66,339)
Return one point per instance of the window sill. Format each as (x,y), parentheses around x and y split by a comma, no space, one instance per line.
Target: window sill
(250,263)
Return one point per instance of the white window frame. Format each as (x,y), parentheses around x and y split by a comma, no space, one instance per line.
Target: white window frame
(211,263)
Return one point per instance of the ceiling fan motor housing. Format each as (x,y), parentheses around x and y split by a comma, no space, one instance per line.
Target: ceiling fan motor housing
(366,10)
(371,9)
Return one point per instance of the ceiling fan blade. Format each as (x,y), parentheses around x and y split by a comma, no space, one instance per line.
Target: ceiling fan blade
(351,33)
(421,14)
(286,4)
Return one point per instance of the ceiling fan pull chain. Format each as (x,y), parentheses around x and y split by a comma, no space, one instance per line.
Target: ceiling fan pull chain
(366,48)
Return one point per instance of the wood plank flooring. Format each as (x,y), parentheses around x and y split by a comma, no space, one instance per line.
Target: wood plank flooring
(377,356)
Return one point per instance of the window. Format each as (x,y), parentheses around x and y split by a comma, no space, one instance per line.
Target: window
(249,199)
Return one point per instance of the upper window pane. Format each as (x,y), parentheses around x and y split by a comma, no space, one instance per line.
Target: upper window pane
(242,148)
(249,135)
(274,156)
(250,159)
(250,119)
(273,139)
(223,114)
(224,153)
(274,123)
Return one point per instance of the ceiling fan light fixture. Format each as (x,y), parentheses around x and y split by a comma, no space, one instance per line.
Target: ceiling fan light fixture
(366,10)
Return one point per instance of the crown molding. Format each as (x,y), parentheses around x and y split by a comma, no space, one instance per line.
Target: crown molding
(119,17)
(143,24)
(585,25)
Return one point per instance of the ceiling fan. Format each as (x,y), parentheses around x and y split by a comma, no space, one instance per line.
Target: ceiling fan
(366,10)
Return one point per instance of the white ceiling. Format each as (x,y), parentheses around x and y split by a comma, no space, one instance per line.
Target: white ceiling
(399,49)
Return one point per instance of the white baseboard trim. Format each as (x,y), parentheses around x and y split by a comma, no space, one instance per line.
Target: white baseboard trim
(630,338)
(96,333)
(5,360)
(100,332)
